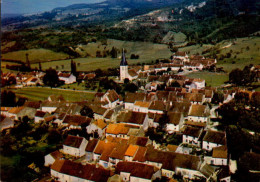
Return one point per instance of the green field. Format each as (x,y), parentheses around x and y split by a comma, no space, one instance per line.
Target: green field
(212,79)
(147,51)
(244,51)
(35,55)
(42,93)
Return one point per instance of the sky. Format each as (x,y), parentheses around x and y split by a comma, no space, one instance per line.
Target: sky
(35,6)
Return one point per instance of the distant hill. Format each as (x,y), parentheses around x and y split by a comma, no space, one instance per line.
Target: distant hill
(198,21)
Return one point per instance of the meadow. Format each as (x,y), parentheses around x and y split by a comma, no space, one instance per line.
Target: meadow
(147,52)
(35,55)
(243,51)
(42,93)
(212,79)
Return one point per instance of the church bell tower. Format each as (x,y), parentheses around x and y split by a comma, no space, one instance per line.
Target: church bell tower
(123,67)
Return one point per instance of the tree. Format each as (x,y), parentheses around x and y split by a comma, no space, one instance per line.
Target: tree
(73,67)
(236,76)
(11,99)
(87,111)
(175,84)
(98,54)
(99,73)
(40,66)
(51,78)
(54,137)
(126,81)
(217,98)
(131,87)
(8,98)
(164,120)
(113,52)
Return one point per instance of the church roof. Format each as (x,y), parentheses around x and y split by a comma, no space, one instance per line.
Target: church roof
(123,59)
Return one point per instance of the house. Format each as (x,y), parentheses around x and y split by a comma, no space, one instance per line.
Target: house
(68,78)
(213,139)
(199,83)
(133,171)
(75,146)
(157,107)
(131,152)
(134,118)
(111,99)
(118,153)
(172,163)
(175,122)
(182,56)
(39,116)
(6,122)
(75,121)
(90,149)
(56,98)
(32,81)
(220,156)
(208,95)
(69,171)
(223,174)
(50,106)
(99,112)
(52,157)
(110,116)
(4,110)
(140,154)
(98,126)
(141,106)
(192,135)
(69,108)
(119,130)
(103,146)
(171,148)
(33,104)
(154,119)
(20,112)
(131,98)
(195,98)
(199,113)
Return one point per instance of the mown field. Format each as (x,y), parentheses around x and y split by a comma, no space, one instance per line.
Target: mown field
(212,79)
(42,93)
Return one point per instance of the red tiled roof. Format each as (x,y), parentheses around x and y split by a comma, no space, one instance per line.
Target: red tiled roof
(88,171)
(73,141)
(76,120)
(136,169)
(91,145)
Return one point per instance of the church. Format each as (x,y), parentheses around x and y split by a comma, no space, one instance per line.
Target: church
(124,72)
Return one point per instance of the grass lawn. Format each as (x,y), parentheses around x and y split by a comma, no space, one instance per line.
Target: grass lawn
(212,79)
(42,93)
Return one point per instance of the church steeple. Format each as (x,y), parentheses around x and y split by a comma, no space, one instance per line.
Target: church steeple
(123,60)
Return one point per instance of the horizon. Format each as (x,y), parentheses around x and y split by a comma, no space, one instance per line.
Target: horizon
(37,6)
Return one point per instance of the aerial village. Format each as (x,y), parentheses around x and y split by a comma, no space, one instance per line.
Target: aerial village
(128,131)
